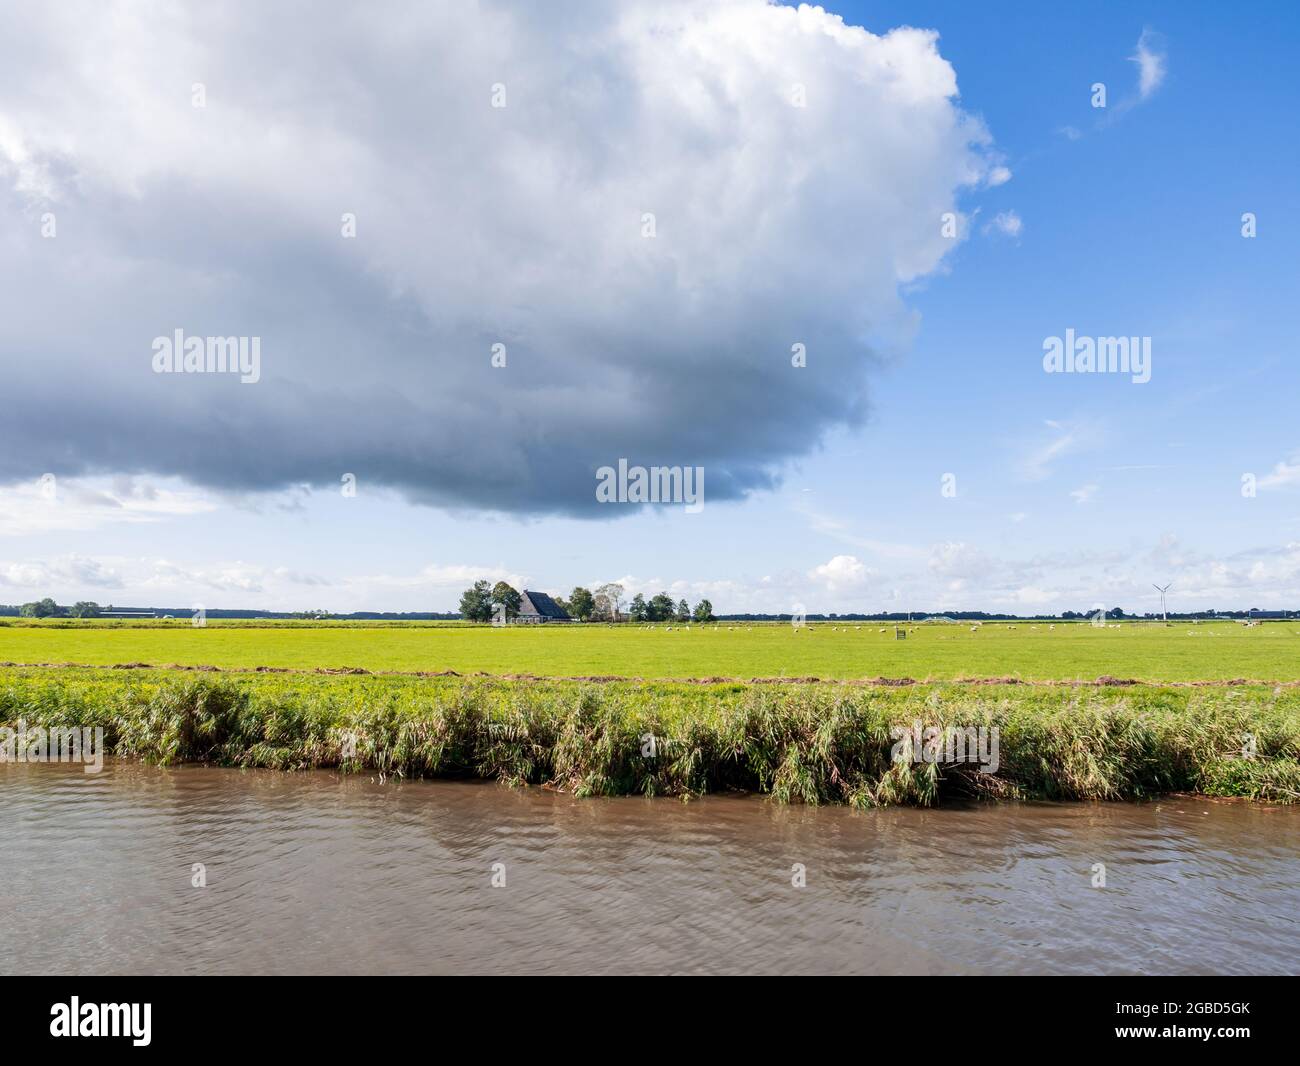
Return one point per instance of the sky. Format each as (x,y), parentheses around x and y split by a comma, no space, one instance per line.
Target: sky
(478,254)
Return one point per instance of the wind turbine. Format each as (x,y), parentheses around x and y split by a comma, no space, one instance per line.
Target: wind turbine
(1163,611)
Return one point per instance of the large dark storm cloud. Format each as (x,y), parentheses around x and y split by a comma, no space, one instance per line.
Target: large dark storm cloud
(524,225)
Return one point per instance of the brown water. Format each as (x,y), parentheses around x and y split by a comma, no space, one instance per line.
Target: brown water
(319,873)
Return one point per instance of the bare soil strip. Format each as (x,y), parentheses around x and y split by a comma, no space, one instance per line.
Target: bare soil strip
(1105,680)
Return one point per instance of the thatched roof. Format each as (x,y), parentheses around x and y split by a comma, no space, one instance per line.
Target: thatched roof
(541,604)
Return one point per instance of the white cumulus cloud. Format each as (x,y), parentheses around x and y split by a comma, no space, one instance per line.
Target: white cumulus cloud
(841,574)
(1007,223)
(794,166)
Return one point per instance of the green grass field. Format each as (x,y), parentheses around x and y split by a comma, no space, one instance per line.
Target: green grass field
(1027,651)
(810,742)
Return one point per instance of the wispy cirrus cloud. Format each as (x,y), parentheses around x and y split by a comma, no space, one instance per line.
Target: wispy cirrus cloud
(1037,461)
(844,532)
(1151,62)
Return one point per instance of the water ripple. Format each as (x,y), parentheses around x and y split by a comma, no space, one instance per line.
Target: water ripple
(320,873)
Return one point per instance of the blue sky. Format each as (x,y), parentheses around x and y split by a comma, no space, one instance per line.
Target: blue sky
(1071,490)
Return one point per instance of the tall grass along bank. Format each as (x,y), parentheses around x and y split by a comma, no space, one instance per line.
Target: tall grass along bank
(798,743)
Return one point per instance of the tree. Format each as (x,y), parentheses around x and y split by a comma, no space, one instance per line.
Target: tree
(683,611)
(582,604)
(636,611)
(84,609)
(661,608)
(476,603)
(704,611)
(507,597)
(45,608)
(609,598)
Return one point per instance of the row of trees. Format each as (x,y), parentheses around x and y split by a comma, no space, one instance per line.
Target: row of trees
(484,602)
(661,608)
(47,608)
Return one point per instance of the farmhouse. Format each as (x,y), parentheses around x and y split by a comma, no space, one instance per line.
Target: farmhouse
(537,607)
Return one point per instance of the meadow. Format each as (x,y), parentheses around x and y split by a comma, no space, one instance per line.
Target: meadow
(1146,651)
(756,707)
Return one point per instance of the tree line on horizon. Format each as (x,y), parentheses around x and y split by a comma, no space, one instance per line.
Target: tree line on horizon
(478,604)
(483,601)
(47,608)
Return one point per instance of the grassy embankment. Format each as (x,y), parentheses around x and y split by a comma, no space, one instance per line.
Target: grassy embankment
(813,743)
